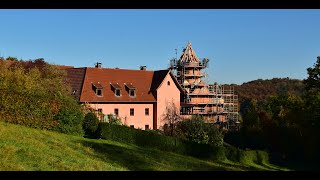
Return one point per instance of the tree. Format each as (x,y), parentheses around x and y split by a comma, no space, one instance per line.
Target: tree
(90,124)
(170,117)
(312,97)
(196,130)
(313,80)
(114,119)
(250,116)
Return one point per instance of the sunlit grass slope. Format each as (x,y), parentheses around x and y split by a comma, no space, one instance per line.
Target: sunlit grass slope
(23,148)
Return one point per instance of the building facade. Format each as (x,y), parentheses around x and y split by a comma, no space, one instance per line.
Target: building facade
(138,97)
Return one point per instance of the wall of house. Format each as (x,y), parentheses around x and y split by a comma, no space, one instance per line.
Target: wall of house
(166,94)
(139,120)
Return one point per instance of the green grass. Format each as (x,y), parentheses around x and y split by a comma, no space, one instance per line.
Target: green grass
(23,148)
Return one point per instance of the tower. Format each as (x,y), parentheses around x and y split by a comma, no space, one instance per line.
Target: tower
(199,97)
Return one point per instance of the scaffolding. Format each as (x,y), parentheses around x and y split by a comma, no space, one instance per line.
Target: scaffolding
(216,103)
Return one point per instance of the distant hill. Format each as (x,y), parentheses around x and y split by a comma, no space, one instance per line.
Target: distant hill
(262,89)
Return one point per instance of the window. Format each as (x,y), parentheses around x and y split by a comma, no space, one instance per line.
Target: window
(117,91)
(131,89)
(116,111)
(99,92)
(131,93)
(146,127)
(168,83)
(131,111)
(74,92)
(132,126)
(146,111)
(100,110)
(116,88)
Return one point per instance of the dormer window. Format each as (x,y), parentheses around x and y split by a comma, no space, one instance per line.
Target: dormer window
(99,92)
(131,89)
(132,92)
(116,89)
(97,88)
(117,92)
(74,92)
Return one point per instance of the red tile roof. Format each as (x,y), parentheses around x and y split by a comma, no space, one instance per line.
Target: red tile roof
(141,79)
(144,82)
(116,86)
(97,85)
(130,86)
(64,67)
(75,77)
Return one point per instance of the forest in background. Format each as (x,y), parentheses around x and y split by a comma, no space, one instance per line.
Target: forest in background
(282,116)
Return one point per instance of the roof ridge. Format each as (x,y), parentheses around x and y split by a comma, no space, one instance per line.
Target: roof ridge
(120,69)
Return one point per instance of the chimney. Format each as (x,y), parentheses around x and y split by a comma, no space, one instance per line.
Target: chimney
(143,68)
(98,65)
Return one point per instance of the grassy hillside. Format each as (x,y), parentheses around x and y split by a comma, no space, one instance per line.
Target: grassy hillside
(24,148)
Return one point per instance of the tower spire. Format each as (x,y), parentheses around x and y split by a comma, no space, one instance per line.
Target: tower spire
(189,55)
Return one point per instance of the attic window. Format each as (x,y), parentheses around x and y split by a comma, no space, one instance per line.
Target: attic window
(117,92)
(99,92)
(97,88)
(116,88)
(168,83)
(74,92)
(131,89)
(132,93)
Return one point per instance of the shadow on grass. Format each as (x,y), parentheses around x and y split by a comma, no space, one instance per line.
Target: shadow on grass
(242,167)
(147,159)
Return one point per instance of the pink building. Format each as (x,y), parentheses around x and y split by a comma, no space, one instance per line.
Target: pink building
(138,97)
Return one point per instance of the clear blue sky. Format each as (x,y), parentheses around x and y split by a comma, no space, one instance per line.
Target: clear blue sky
(242,45)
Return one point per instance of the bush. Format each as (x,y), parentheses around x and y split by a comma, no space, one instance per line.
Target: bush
(196,130)
(90,124)
(69,117)
(153,139)
(34,94)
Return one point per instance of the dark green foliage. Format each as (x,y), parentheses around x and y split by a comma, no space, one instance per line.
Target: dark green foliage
(90,124)
(313,81)
(250,115)
(196,130)
(98,132)
(69,117)
(10,58)
(155,140)
(232,153)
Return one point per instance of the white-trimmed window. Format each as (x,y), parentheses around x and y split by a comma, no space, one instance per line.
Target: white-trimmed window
(131,111)
(117,92)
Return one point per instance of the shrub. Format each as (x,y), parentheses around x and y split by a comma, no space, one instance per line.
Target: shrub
(69,117)
(34,94)
(196,130)
(90,124)
(155,140)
